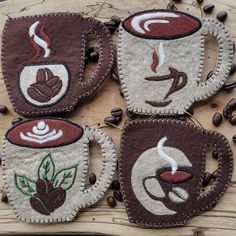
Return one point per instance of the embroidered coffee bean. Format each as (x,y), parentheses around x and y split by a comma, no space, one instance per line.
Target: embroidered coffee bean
(208,8)
(210,74)
(116,19)
(214,174)
(116,111)
(4,197)
(234,138)
(16,120)
(215,154)
(115,185)
(232,69)
(229,85)
(232,120)
(227,112)
(111,201)
(222,16)
(118,196)
(3,109)
(92,178)
(217,119)
(94,56)
(206,179)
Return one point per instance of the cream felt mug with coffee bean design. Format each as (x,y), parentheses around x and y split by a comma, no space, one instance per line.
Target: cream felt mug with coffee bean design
(161,57)
(45,164)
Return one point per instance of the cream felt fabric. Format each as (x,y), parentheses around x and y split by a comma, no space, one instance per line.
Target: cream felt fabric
(186,54)
(25,161)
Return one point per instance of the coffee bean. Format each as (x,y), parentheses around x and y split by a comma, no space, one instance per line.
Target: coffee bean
(111,25)
(111,201)
(92,178)
(221,16)
(170,6)
(214,174)
(115,185)
(116,111)
(199,1)
(215,154)
(217,119)
(16,120)
(234,138)
(116,19)
(176,0)
(115,120)
(4,197)
(208,8)
(206,179)
(94,56)
(3,109)
(232,104)
(227,112)
(232,69)
(232,120)
(229,85)
(190,110)
(118,196)
(209,74)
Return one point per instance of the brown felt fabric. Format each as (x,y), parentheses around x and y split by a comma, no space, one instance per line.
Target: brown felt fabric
(67,33)
(142,135)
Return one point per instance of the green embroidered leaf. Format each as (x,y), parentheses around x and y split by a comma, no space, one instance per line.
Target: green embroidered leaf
(65,178)
(25,185)
(47,168)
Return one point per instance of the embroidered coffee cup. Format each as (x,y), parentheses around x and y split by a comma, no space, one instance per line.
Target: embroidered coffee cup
(45,164)
(43,60)
(160,60)
(161,168)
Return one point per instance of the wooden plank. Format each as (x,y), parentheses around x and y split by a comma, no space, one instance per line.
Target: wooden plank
(100,219)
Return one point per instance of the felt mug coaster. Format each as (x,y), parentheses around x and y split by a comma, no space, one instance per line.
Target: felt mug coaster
(161,57)
(161,168)
(45,164)
(43,60)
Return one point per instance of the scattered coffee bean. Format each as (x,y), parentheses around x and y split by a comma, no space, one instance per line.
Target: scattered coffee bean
(227,112)
(232,104)
(229,85)
(217,119)
(206,179)
(3,109)
(199,1)
(118,196)
(116,19)
(112,120)
(16,120)
(221,16)
(4,197)
(208,8)
(214,174)
(92,178)
(232,69)
(190,110)
(232,120)
(94,56)
(234,138)
(111,25)
(115,185)
(170,6)
(121,92)
(111,201)
(209,74)
(215,154)
(116,111)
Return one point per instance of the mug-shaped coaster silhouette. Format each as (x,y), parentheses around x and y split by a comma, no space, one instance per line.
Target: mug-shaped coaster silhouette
(45,166)
(160,60)
(43,61)
(161,177)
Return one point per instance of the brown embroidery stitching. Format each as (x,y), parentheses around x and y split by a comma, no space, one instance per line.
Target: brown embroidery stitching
(155,61)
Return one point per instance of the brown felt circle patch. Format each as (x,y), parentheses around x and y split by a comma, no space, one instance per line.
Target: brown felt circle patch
(161,166)
(43,59)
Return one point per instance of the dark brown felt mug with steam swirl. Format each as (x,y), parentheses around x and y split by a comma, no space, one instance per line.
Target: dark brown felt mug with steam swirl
(44,59)
(161,166)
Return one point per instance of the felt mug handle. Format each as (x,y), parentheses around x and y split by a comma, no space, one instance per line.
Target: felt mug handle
(106,54)
(95,192)
(211,27)
(209,199)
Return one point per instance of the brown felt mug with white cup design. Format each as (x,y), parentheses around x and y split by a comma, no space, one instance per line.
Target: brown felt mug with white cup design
(45,164)
(43,60)
(161,168)
(160,60)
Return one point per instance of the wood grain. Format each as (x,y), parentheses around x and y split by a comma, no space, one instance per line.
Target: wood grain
(100,219)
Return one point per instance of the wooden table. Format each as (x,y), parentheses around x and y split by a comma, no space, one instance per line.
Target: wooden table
(101,219)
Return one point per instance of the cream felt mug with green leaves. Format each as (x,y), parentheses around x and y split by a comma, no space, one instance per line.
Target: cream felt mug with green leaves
(45,165)
(160,61)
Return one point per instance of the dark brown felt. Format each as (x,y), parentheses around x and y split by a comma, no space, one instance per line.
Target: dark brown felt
(67,32)
(140,135)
